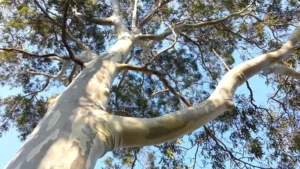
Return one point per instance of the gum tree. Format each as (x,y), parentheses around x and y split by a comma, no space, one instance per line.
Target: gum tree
(139,73)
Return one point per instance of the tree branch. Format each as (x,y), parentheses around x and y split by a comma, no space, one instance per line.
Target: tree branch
(53,56)
(185,26)
(283,70)
(136,132)
(134,16)
(78,42)
(161,77)
(39,73)
(116,7)
(64,31)
(63,36)
(161,91)
(95,20)
(63,69)
(58,76)
(149,16)
(30,94)
(169,47)
(247,84)
(70,78)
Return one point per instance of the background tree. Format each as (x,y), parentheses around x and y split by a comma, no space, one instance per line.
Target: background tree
(145,59)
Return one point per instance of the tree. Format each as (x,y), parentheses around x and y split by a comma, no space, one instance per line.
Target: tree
(119,88)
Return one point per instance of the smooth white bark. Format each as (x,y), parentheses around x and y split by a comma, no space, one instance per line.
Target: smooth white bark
(77,130)
(283,70)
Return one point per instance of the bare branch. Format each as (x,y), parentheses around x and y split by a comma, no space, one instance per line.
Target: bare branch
(161,77)
(30,94)
(152,13)
(122,78)
(134,16)
(158,92)
(58,76)
(224,63)
(63,69)
(39,73)
(238,75)
(195,156)
(63,36)
(78,42)
(169,47)
(125,72)
(185,26)
(95,20)
(53,56)
(116,7)
(135,159)
(64,31)
(70,78)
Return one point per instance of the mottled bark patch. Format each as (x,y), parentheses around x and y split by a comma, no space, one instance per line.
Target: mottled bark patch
(81,159)
(36,150)
(159,131)
(55,116)
(184,118)
(100,77)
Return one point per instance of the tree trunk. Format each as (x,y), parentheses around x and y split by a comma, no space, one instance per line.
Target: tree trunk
(73,133)
(77,130)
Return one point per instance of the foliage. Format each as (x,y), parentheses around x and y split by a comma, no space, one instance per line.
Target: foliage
(250,135)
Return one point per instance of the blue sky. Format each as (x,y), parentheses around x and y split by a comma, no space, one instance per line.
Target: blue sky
(10,144)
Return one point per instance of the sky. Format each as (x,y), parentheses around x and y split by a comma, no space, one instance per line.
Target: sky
(10,143)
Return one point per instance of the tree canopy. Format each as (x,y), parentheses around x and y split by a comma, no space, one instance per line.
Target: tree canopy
(187,47)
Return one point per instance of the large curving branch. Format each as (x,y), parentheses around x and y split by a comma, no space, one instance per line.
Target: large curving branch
(136,132)
(186,26)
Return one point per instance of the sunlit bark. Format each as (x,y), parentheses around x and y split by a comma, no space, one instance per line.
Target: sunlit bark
(77,130)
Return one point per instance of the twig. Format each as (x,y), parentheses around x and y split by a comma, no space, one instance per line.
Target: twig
(201,54)
(161,91)
(135,159)
(226,66)
(195,160)
(169,47)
